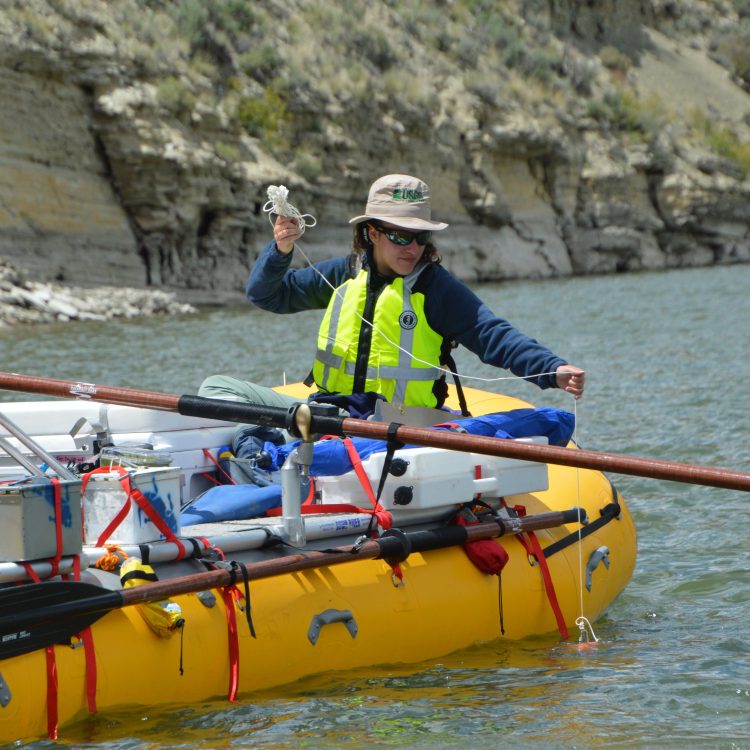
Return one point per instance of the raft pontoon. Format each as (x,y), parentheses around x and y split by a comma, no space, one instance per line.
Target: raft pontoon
(325,592)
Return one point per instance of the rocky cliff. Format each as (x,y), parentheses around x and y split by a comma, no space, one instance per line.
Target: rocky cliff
(138,137)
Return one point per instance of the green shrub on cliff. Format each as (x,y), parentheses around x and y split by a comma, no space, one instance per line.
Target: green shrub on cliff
(174,94)
(623,110)
(195,18)
(721,140)
(264,117)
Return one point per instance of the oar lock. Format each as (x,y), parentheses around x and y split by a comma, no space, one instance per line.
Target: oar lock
(304,419)
(395,546)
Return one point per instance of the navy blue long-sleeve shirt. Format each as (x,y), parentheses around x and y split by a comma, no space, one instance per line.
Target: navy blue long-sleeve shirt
(452,310)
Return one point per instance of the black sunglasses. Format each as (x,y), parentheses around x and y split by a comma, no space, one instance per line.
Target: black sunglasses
(402,237)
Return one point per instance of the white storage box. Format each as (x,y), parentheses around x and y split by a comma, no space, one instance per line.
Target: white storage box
(27,520)
(437,477)
(105,497)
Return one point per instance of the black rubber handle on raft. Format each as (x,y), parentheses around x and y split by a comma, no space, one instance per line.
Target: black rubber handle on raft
(396,545)
(424,540)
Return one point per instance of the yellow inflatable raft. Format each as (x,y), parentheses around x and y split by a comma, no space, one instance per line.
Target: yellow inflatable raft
(330,618)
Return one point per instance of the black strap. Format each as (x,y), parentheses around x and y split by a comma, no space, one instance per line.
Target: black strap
(182,645)
(392,445)
(245,578)
(138,575)
(500,602)
(608,512)
(145,551)
(451,363)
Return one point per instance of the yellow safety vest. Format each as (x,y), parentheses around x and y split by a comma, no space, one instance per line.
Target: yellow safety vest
(404,375)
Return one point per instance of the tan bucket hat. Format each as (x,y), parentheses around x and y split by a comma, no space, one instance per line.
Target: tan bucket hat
(400,200)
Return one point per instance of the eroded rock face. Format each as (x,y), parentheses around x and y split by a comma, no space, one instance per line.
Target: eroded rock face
(60,215)
(103,183)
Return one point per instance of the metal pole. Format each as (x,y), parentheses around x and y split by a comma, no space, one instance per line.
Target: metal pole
(62,471)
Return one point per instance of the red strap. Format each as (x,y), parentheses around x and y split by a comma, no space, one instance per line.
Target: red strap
(548,585)
(478,475)
(311,494)
(52,720)
(533,547)
(52,685)
(57,494)
(132,493)
(120,517)
(30,572)
(234,646)
(211,479)
(210,456)
(359,470)
(90,652)
(384,518)
(323,508)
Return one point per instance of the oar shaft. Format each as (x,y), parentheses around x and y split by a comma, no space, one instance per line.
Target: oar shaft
(88,391)
(618,464)
(275,417)
(372,549)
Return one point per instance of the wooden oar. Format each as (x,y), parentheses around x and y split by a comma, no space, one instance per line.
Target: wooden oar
(234,411)
(39,614)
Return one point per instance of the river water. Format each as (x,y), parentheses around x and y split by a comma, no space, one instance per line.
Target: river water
(668,362)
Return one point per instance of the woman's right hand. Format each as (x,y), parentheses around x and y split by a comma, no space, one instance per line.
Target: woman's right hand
(285,233)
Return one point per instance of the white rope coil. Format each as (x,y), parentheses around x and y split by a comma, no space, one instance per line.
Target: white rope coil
(278,203)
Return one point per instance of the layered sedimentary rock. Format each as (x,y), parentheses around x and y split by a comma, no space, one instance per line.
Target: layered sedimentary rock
(105,179)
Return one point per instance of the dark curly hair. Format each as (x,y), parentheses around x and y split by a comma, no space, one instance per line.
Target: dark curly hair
(361,244)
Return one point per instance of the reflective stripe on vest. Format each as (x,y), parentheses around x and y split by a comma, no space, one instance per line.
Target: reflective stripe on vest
(398,319)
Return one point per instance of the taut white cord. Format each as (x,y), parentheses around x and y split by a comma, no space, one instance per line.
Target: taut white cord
(582,621)
(278,203)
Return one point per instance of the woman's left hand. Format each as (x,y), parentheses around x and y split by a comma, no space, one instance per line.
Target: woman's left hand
(571,379)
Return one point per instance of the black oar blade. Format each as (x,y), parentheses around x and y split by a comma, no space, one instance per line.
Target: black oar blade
(40,614)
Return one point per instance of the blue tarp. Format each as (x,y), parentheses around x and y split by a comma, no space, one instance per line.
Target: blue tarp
(330,458)
(231,502)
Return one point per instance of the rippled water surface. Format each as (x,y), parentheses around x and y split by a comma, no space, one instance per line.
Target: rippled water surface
(668,357)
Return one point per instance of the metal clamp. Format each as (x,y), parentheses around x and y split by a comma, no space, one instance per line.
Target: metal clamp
(328,617)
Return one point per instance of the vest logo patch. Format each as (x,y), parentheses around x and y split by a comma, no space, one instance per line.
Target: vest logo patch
(407,320)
